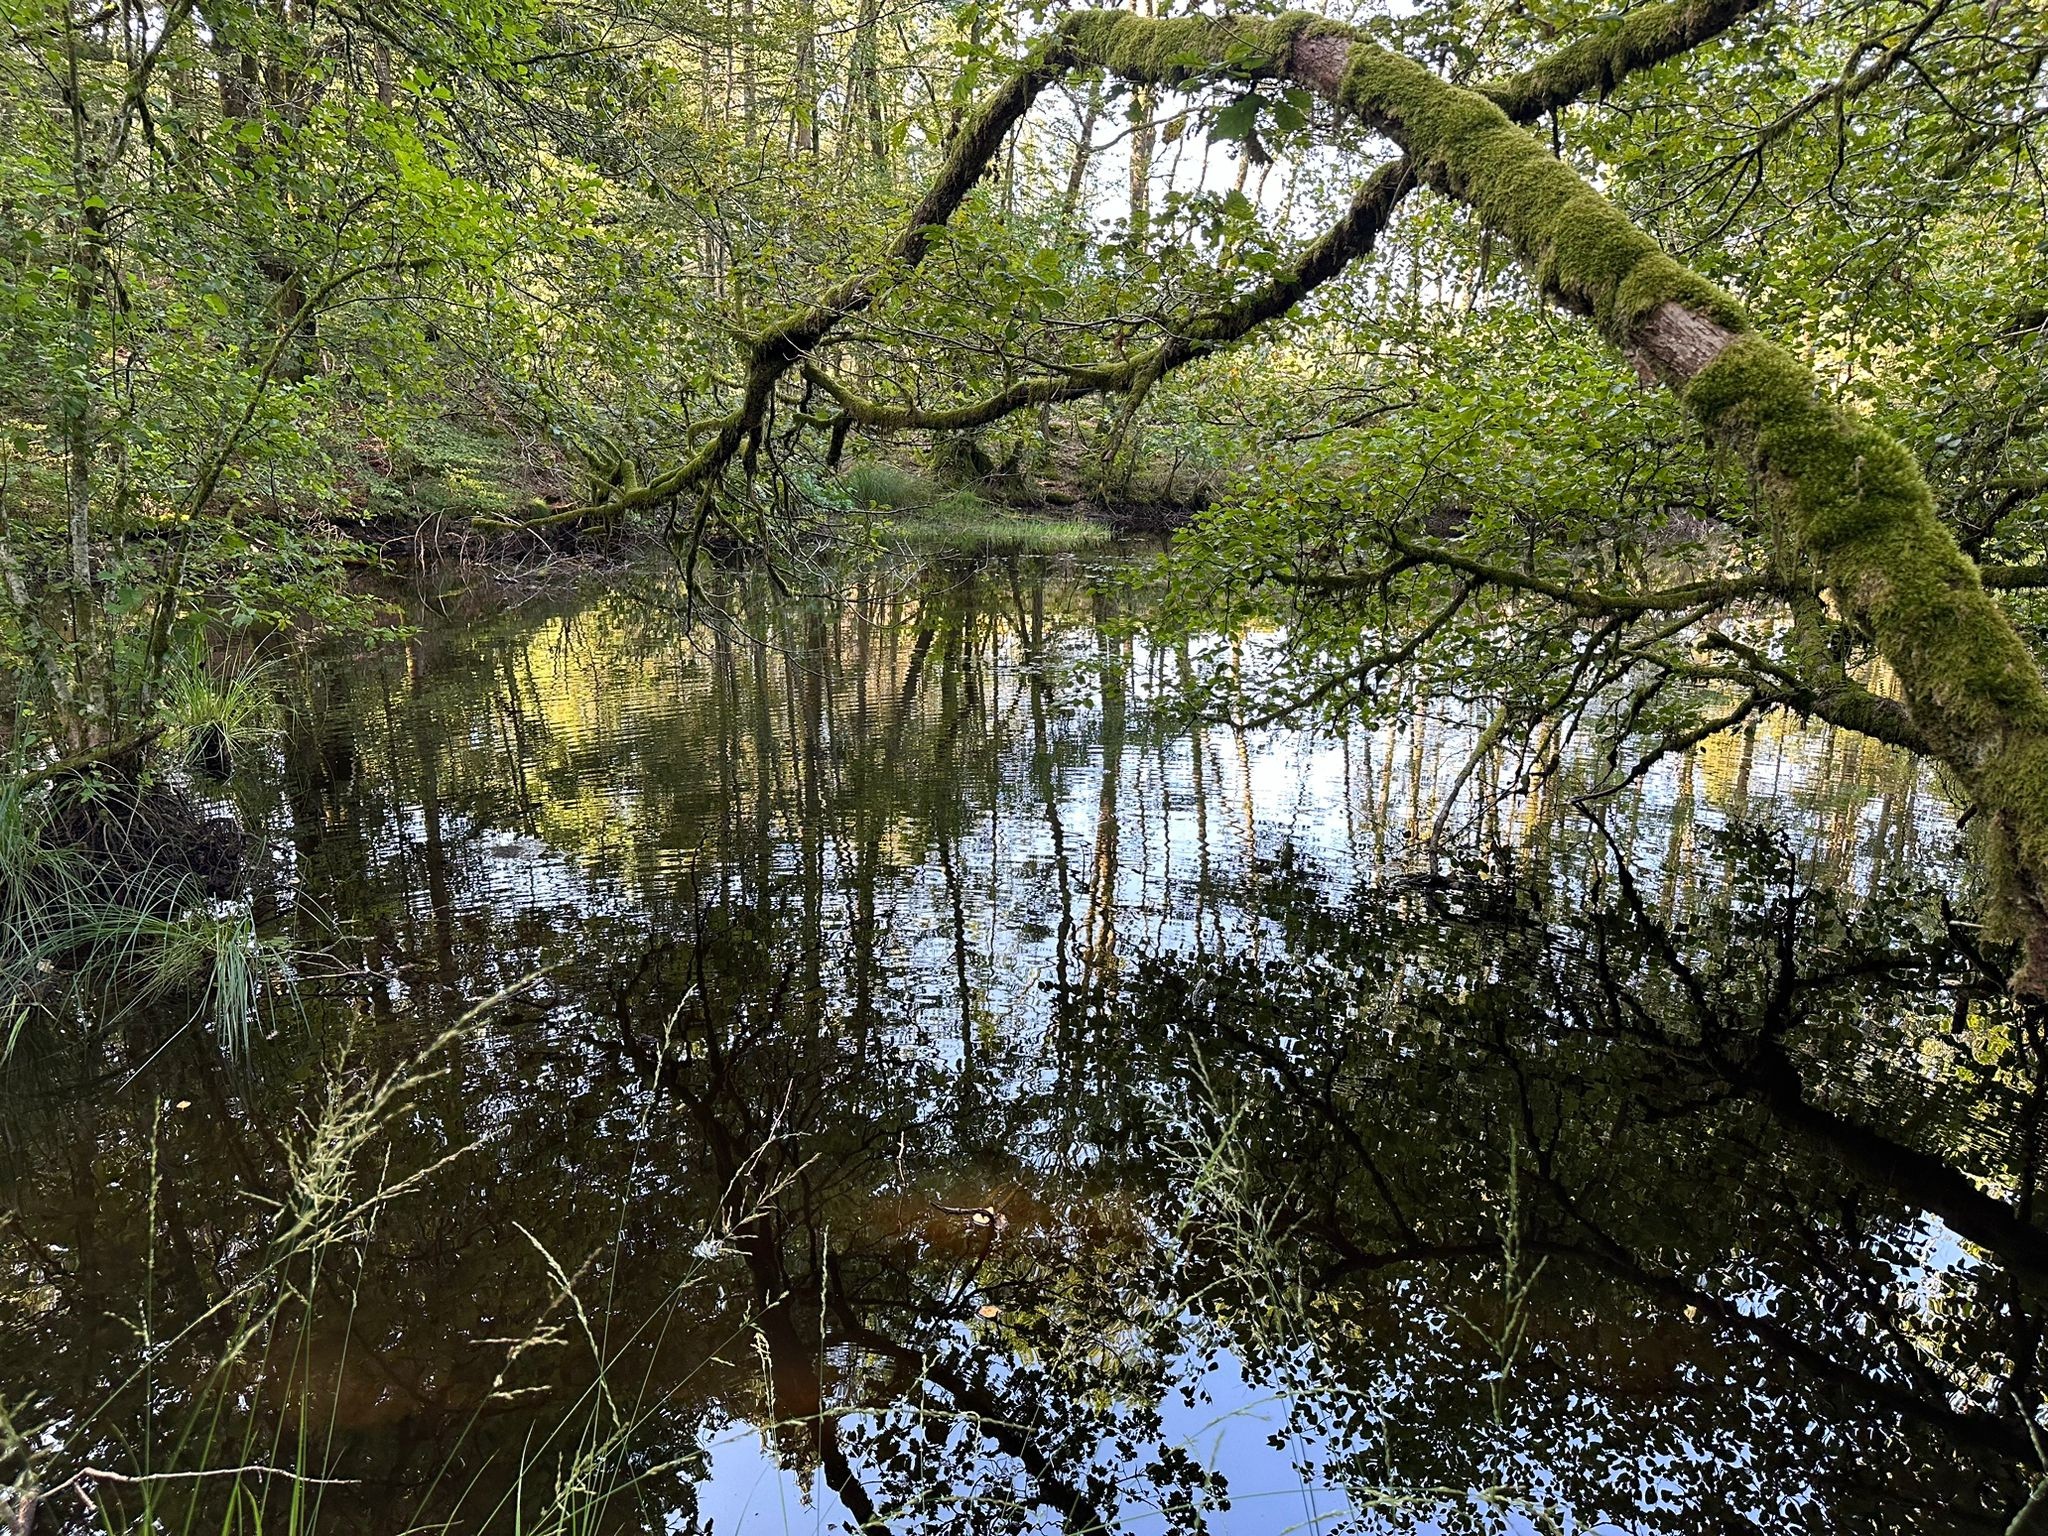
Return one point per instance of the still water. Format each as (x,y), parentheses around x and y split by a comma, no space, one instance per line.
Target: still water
(882,1065)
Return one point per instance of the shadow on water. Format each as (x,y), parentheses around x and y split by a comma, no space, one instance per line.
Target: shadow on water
(932,1085)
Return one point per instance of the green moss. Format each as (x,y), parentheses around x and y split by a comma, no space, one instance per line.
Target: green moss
(1658,279)
(2016,781)
(1583,249)
(1588,68)
(1863,514)
(1173,51)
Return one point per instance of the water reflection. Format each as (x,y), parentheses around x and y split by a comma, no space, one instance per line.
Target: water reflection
(935,1086)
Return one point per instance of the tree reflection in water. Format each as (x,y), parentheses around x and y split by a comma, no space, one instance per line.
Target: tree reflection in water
(963,1095)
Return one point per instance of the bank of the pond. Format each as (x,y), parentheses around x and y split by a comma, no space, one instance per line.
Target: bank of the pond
(475,493)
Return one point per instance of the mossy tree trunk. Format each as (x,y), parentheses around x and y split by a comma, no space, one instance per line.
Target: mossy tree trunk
(1854,499)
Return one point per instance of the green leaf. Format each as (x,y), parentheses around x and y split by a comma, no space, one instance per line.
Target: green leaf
(1237,121)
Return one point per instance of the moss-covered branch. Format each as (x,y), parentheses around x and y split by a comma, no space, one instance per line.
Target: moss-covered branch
(2014,578)
(1855,500)
(1591,66)
(782,346)
(1814,681)
(1040,389)
(1350,238)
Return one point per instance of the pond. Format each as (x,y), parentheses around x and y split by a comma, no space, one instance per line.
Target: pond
(883,1064)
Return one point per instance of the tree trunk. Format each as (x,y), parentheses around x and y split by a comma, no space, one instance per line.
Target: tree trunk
(804,86)
(864,84)
(1084,151)
(1143,139)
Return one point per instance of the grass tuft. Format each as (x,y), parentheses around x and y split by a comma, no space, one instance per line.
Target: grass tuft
(965,522)
(884,487)
(214,720)
(74,931)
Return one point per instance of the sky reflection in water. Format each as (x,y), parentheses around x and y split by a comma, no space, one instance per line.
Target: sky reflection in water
(967,1096)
